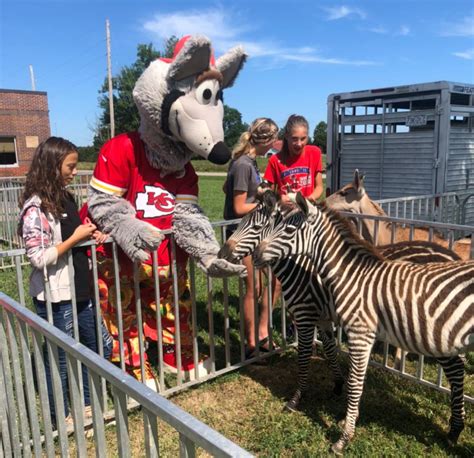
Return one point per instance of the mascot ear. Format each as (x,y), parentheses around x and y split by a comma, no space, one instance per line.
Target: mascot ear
(230,65)
(192,59)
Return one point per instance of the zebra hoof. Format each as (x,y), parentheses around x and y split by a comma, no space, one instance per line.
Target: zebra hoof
(291,406)
(338,448)
(453,436)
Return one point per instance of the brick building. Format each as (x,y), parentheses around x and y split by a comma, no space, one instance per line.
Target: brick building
(24,123)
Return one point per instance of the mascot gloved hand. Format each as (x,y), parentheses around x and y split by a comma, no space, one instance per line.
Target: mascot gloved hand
(144,182)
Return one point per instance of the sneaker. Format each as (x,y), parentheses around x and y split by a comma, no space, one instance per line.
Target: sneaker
(88,413)
(150,378)
(187,363)
(69,422)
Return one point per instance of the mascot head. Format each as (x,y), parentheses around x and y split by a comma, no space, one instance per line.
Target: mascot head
(181,106)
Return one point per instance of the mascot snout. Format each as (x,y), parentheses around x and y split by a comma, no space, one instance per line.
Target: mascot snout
(219,154)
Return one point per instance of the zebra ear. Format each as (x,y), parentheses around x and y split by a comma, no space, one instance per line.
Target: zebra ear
(356,179)
(358,182)
(302,204)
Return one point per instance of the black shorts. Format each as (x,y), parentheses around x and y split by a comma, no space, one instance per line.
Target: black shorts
(229,230)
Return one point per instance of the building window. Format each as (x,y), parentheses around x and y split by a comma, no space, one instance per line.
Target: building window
(8,156)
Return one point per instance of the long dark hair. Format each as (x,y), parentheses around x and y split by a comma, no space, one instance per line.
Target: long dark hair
(44,177)
(293,121)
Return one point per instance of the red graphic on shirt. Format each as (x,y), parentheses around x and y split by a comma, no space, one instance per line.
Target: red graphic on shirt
(154,202)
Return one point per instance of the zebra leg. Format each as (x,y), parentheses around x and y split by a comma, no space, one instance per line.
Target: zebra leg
(360,345)
(328,340)
(454,370)
(305,350)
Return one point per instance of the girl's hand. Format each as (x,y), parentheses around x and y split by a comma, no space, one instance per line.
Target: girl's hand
(84,231)
(99,237)
(285,198)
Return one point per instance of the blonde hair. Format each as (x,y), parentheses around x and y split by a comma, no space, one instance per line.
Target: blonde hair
(262,130)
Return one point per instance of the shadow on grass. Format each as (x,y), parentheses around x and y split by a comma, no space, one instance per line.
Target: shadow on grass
(388,403)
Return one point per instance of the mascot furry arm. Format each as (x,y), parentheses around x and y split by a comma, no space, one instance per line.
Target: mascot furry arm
(181,114)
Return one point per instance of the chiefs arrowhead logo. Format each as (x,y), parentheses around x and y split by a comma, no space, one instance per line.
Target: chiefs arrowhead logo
(154,202)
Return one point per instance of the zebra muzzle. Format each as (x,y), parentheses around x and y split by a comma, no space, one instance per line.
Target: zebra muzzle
(227,251)
(258,255)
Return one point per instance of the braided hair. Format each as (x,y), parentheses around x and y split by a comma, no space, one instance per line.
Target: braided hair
(261,131)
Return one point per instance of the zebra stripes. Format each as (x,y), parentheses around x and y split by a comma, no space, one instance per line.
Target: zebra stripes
(427,309)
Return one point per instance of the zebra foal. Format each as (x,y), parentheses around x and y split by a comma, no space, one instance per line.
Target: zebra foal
(427,309)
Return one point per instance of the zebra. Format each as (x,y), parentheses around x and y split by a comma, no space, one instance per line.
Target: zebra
(302,290)
(427,309)
(305,299)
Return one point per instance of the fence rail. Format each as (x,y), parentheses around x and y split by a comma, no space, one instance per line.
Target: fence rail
(450,207)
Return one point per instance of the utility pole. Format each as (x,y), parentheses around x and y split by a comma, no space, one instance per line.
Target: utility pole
(109,74)
(32,77)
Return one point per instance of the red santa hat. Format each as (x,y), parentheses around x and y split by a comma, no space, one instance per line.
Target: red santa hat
(177,48)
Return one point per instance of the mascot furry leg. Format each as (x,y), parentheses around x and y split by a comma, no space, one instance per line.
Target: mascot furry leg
(144,182)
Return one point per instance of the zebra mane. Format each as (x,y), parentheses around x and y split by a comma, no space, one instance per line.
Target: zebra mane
(347,230)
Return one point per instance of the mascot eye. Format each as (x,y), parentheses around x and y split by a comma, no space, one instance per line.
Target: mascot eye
(206,92)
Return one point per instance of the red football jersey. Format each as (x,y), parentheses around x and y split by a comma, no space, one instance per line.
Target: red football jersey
(298,172)
(122,169)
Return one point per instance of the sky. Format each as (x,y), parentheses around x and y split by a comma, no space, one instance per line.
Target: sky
(300,51)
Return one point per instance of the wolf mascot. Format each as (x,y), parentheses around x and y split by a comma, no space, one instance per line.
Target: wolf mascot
(144,182)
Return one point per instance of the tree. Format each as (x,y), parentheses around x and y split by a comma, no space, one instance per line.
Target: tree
(233,126)
(126,113)
(320,136)
(87,153)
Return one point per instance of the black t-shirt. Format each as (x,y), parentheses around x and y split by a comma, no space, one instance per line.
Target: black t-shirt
(69,222)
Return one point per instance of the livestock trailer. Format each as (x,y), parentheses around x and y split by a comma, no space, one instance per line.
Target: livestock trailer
(408,140)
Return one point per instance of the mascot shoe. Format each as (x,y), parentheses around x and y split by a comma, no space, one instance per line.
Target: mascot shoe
(187,363)
(150,378)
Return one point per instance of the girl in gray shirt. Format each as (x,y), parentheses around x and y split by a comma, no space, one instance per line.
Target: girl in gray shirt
(240,188)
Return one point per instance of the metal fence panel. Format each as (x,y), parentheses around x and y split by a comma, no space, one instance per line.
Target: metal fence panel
(13,431)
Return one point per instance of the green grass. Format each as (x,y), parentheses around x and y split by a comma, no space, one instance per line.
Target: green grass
(212,197)
(397,417)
